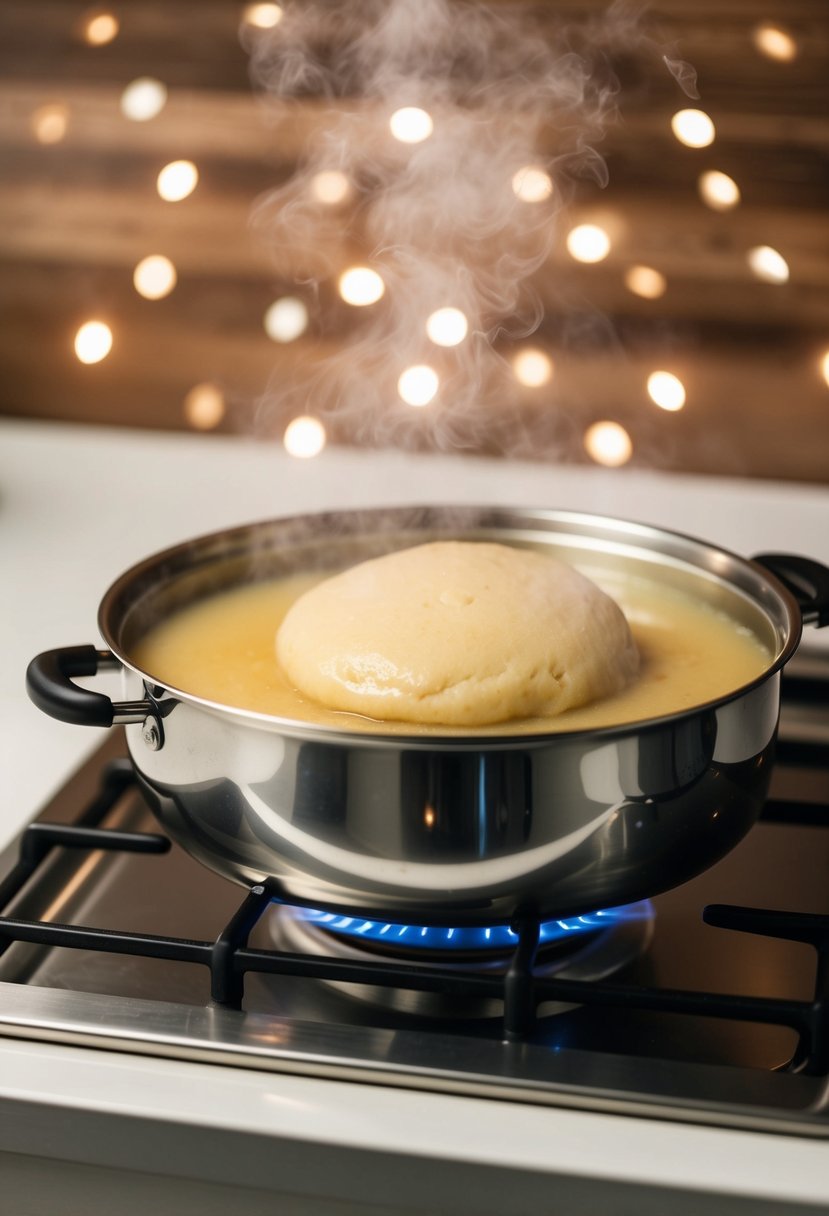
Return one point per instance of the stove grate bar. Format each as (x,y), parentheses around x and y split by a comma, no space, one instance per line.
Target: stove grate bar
(275,962)
(520,1001)
(806,753)
(39,839)
(235,961)
(804,687)
(226,980)
(111,941)
(812,1055)
(794,813)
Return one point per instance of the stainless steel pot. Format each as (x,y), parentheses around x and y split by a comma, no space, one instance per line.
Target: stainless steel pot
(473,829)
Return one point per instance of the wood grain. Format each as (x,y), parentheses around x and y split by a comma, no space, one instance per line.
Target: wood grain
(77,216)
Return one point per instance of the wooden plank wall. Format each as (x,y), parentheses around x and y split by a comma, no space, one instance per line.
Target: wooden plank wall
(76,216)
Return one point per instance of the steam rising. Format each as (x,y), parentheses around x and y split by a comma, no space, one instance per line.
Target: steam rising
(440,220)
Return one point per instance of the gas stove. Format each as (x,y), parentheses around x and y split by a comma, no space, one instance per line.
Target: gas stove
(706,1004)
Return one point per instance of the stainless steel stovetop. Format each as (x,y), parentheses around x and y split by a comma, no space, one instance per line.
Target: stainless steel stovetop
(660,1037)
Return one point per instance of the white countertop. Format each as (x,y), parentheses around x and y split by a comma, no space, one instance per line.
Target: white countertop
(78,505)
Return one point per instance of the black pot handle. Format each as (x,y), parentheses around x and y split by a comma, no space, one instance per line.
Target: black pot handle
(50,685)
(807,580)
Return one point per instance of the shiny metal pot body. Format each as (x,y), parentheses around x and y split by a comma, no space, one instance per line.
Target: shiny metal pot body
(453,828)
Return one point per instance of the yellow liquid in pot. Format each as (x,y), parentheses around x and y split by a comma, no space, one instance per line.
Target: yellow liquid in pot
(222,648)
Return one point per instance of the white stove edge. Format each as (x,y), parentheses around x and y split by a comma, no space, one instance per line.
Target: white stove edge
(291,1111)
(77,506)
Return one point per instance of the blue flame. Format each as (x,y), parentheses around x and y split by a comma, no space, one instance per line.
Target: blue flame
(493,937)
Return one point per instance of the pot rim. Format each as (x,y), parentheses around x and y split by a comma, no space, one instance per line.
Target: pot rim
(715,564)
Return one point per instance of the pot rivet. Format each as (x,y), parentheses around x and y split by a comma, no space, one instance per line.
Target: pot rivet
(151,734)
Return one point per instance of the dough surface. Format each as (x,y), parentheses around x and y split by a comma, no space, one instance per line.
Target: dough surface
(457,633)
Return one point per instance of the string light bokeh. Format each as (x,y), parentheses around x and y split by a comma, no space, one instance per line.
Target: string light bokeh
(361,286)
(331,186)
(177,180)
(646,282)
(533,368)
(262,16)
(204,406)
(154,277)
(99,27)
(588,243)
(768,264)
(418,385)
(304,437)
(411,125)
(93,342)
(143,99)
(666,390)
(608,443)
(694,128)
(774,42)
(286,319)
(687,251)
(532,184)
(49,123)
(447,326)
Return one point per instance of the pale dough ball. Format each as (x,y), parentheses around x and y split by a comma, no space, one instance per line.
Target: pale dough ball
(457,633)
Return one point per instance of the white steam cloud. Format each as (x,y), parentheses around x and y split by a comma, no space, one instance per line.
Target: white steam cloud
(440,219)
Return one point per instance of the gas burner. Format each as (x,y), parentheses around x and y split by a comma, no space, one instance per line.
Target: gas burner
(589,947)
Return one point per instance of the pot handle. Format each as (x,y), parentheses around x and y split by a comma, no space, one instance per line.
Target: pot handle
(49,684)
(807,580)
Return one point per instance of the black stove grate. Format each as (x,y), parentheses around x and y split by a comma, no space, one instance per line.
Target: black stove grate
(229,958)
